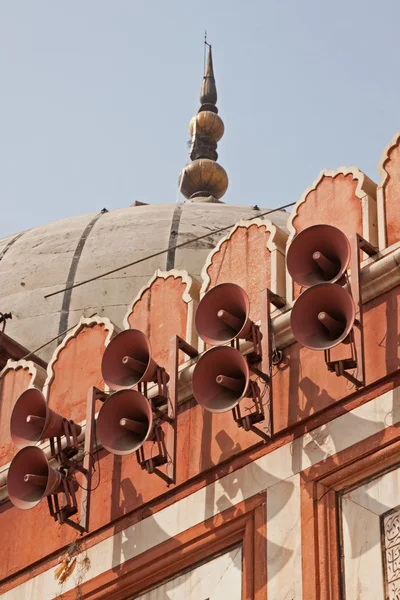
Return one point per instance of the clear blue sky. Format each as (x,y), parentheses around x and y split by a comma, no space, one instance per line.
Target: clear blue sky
(96,97)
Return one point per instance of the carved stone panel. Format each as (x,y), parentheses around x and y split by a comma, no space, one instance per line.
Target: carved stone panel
(391,553)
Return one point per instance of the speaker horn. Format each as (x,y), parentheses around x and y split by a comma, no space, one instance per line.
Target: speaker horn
(32,420)
(223,315)
(127,360)
(30,478)
(220,379)
(322,316)
(318,254)
(125,422)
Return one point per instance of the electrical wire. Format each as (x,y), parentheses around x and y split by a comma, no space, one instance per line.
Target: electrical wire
(53,339)
(181,245)
(92,456)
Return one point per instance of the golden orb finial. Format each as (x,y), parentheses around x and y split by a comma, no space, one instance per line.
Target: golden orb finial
(204,176)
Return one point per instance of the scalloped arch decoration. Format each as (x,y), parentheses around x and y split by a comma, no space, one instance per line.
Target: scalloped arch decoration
(76,365)
(15,378)
(388,194)
(252,255)
(165,307)
(345,198)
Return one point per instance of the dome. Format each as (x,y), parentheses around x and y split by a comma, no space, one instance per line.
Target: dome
(48,258)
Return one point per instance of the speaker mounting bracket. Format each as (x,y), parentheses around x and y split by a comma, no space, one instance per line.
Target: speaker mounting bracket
(87,466)
(62,512)
(161,379)
(356,337)
(264,356)
(165,438)
(71,446)
(248,421)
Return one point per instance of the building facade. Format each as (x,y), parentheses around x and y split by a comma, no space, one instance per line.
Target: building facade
(304,504)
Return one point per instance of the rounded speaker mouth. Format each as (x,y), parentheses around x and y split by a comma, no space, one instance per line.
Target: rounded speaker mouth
(223,314)
(322,316)
(127,360)
(125,422)
(318,254)
(220,379)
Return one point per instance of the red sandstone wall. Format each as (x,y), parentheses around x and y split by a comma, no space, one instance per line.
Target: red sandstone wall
(334,201)
(161,313)
(78,366)
(244,259)
(391,190)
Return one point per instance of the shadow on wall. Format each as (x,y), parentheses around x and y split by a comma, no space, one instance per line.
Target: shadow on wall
(242,484)
(391,340)
(123,494)
(330,439)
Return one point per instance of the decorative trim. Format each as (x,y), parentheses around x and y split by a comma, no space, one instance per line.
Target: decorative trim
(83,323)
(38,374)
(276,242)
(380,192)
(365,187)
(190,296)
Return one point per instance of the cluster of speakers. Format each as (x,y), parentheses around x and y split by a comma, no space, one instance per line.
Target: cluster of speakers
(324,313)
(221,377)
(125,421)
(30,477)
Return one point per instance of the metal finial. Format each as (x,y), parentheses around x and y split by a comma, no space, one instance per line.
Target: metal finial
(208,93)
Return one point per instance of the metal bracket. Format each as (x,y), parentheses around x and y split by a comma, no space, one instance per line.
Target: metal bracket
(62,511)
(167,442)
(162,378)
(264,357)
(71,447)
(356,337)
(248,421)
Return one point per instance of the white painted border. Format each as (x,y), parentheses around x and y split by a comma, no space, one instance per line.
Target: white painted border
(366,192)
(38,374)
(276,245)
(280,467)
(84,322)
(380,192)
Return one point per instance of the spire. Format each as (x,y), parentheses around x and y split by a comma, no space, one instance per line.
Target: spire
(208,92)
(204,178)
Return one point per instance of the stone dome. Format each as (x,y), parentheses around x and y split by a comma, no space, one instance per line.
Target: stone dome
(48,258)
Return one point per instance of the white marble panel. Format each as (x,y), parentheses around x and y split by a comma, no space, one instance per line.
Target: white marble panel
(379,495)
(217,579)
(363,573)
(284,574)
